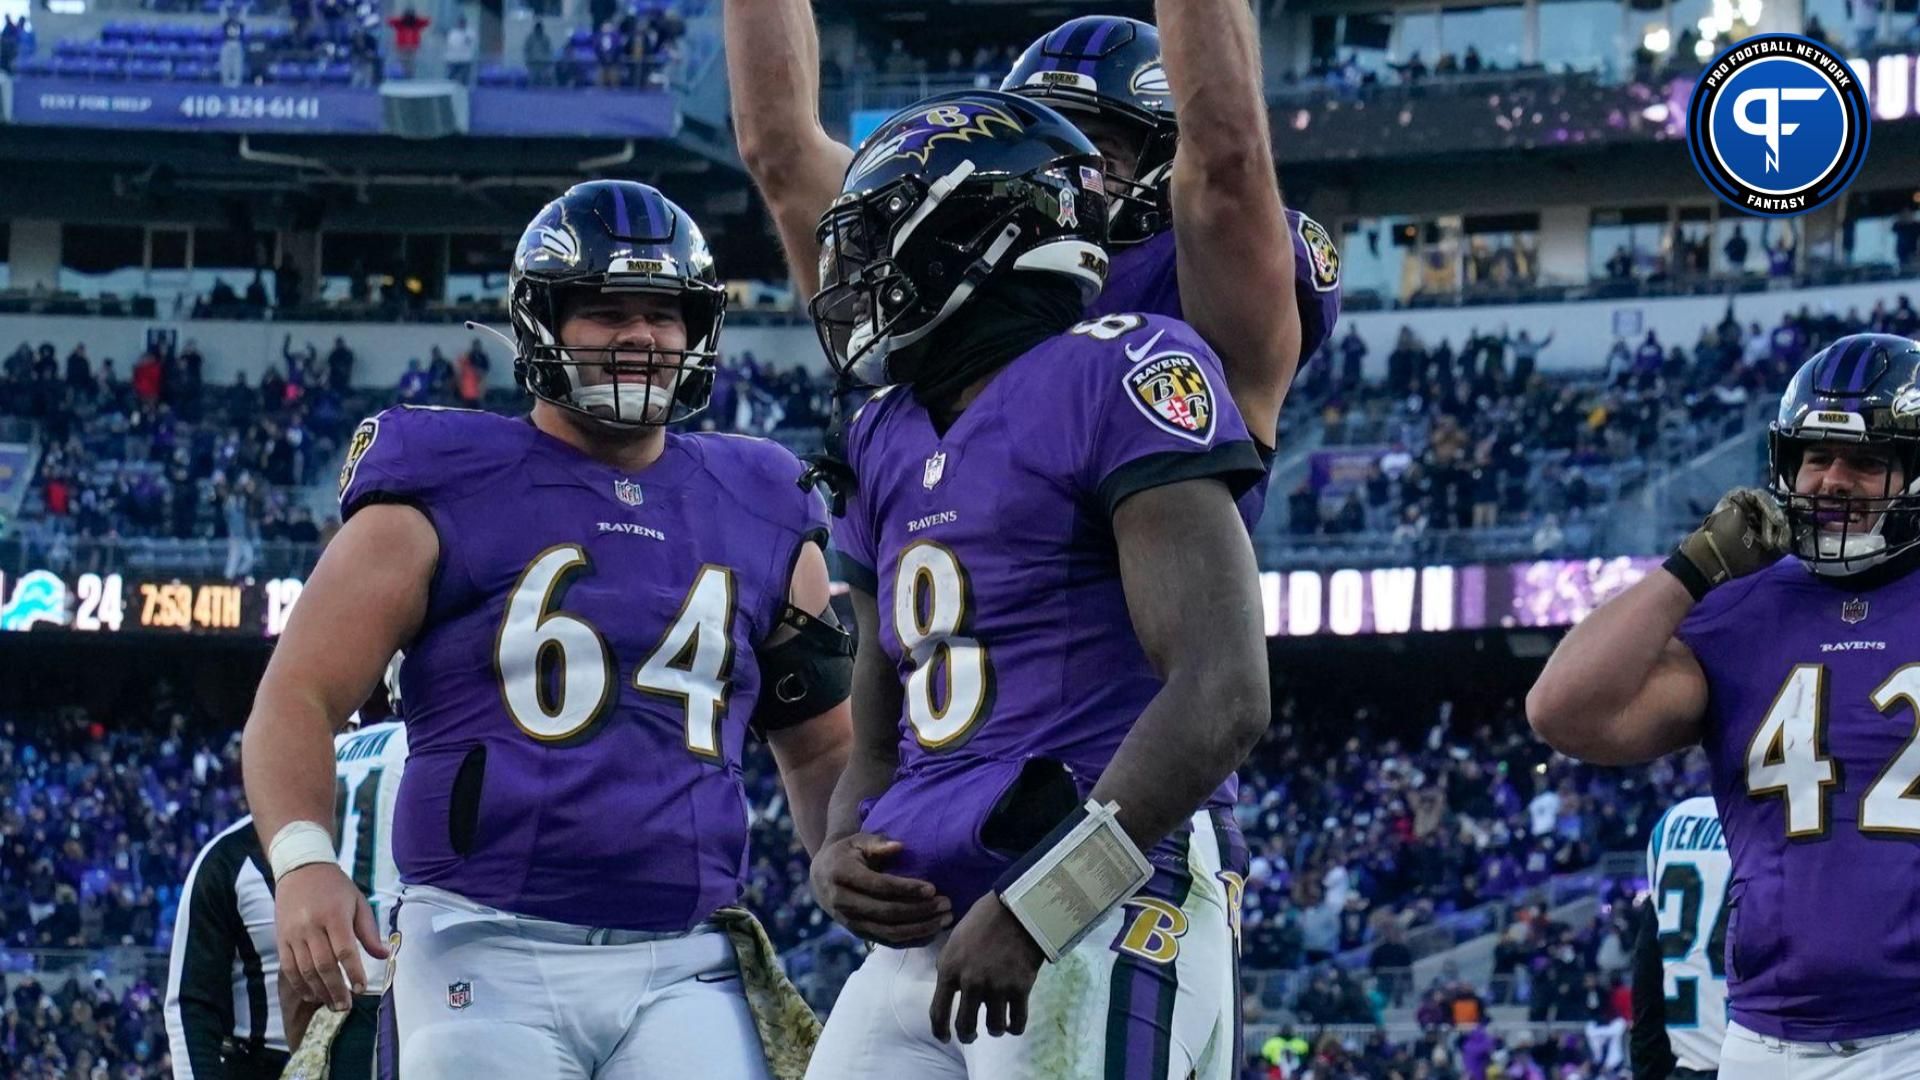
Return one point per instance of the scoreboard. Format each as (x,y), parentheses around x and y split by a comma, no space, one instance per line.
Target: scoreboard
(123,603)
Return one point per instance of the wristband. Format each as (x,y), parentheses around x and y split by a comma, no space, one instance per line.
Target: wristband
(1690,576)
(297,844)
(1083,869)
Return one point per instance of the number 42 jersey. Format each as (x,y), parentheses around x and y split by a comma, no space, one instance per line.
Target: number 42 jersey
(1811,729)
(579,694)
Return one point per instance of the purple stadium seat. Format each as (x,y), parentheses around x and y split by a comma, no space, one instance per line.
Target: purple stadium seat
(148,69)
(337,73)
(286,71)
(194,71)
(35,65)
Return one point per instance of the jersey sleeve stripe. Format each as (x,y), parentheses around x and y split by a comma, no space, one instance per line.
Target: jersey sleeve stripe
(1235,462)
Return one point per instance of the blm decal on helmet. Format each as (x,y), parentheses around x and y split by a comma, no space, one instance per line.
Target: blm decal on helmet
(1322,254)
(1171,389)
(357,448)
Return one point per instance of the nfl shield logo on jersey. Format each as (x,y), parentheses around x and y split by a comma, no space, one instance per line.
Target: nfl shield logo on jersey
(1853,611)
(936,468)
(459,994)
(627,492)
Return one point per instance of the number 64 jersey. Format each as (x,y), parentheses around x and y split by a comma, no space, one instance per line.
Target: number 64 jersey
(1811,729)
(579,693)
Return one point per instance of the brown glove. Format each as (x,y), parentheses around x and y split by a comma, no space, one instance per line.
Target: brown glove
(1746,532)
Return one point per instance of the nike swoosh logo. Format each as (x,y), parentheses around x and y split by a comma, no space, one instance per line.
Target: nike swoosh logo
(1139,354)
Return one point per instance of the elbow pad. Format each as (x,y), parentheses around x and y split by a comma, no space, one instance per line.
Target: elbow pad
(805,675)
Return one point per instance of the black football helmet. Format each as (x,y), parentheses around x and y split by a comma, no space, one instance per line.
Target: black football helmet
(1861,389)
(615,236)
(1109,67)
(941,197)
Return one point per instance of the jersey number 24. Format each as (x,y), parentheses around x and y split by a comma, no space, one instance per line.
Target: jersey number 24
(558,675)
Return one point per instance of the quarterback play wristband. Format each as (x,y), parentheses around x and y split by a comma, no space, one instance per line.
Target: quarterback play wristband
(1083,869)
(297,844)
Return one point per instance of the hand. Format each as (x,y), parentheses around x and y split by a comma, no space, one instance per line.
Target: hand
(849,886)
(1746,532)
(318,915)
(989,960)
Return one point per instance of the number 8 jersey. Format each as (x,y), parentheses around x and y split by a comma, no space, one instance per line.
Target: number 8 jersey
(579,693)
(1811,730)
(989,549)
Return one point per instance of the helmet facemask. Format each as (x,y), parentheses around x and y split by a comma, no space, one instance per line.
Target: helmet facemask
(1140,204)
(673,384)
(899,261)
(1871,528)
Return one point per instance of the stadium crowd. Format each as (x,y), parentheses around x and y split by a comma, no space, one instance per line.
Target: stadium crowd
(1358,838)
(157,452)
(1479,437)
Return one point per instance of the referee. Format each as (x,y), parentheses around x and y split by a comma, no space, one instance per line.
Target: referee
(223,1004)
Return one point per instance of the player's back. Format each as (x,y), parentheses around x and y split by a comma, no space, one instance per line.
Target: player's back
(577,699)
(999,589)
(1689,870)
(1810,726)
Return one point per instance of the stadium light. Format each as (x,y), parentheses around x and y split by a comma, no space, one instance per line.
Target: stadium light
(1658,40)
(1750,12)
(1703,49)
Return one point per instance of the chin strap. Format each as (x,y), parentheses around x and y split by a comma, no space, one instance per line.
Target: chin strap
(829,469)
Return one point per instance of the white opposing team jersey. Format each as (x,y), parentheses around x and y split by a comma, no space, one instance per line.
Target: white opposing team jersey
(1688,865)
(366,765)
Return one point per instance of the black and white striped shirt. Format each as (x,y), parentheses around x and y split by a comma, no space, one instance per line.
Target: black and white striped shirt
(222,974)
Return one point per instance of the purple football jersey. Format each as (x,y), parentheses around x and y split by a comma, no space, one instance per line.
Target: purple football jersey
(580,691)
(1145,278)
(1810,728)
(990,553)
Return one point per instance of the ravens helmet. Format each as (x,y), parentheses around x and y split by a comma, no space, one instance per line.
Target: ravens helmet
(1863,389)
(939,199)
(615,236)
(1107,67)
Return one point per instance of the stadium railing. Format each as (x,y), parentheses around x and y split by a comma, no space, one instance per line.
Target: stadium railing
(152,555)
(120,962)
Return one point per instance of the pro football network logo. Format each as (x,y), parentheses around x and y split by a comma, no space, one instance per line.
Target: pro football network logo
(1778,125)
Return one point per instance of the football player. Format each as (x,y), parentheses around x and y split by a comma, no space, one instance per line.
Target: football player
(1679,962)
(595,611)
(1056,600)
(369,761)
(1198,229)
(1777,636)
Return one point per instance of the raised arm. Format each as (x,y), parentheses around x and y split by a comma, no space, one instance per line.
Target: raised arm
(365,600)
(1622,689)
(1234,249)
(773,72)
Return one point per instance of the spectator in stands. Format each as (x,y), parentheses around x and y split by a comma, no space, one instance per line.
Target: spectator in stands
(470,379)
(233,49)
(256,298)
(9,43)
(148,379)
(1620,264)
(340,366)
(1780,253)
(1736,249)
(407,28)
(413,384)
(460,48)
(538,54)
